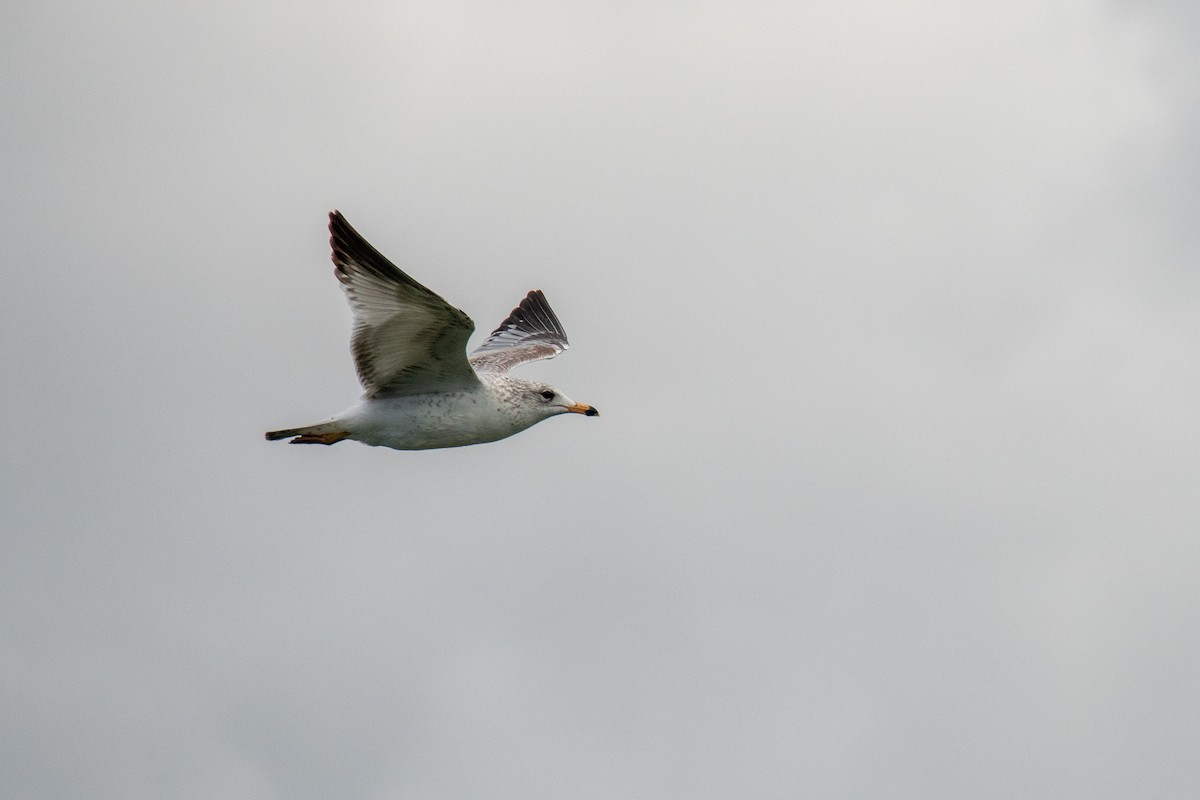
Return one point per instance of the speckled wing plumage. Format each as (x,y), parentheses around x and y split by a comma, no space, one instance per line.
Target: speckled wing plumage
(531,332)
(406,339)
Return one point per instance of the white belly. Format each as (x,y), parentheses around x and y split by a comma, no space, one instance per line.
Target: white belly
(425,421)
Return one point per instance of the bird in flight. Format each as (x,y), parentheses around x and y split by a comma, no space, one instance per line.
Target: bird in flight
(422,389)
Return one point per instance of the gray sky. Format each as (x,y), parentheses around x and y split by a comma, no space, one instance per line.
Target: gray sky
(890,310)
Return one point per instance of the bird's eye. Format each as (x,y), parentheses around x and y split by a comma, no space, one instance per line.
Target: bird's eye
(549,395)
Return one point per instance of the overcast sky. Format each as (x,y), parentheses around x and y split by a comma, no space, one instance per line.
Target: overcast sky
(890,309)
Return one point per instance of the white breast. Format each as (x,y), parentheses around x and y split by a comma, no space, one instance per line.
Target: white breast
(424,421)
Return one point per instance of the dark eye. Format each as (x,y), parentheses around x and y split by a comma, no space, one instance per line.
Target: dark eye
(549,395)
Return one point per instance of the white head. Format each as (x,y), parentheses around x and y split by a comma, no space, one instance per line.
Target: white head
(529,402)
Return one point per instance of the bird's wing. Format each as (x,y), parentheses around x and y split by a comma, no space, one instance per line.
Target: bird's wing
(406,339)
(531,332)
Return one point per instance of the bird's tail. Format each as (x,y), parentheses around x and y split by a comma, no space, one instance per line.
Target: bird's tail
(330,432)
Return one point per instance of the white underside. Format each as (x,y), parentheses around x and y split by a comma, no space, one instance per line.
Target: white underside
(425,421)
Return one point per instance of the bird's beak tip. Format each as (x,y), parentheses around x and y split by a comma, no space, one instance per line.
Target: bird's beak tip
(583,408)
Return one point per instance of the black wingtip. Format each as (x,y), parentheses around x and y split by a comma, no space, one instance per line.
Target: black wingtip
(348,245)
(535,315)
(342,232)
(336,222)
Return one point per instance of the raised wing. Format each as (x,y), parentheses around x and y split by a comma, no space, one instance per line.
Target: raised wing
(531,332)
(406,339)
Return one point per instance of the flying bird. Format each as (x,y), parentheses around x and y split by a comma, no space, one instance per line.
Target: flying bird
(422,389)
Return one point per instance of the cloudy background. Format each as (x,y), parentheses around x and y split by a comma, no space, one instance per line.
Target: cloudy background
(890,310)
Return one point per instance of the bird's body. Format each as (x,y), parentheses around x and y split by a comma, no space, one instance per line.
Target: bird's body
(422,389)
(431,419)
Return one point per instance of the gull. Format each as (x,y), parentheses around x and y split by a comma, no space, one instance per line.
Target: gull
(421,388)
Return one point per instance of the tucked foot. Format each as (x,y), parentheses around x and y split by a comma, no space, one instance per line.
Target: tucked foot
(333,437)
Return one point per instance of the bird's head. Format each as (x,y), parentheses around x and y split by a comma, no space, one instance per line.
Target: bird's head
(529,402)
(546,401)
